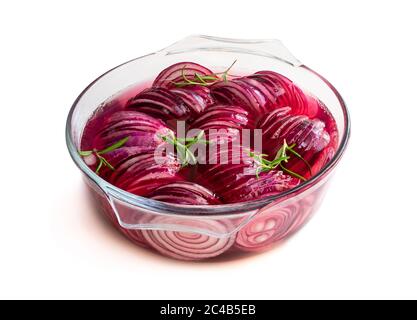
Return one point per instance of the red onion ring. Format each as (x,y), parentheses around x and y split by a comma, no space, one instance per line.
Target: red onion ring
(175,73)
(159,103)
(189,245)
(238,93)
(185,192)
(227,120)
(309,136)
(141,174)
(178,104)
(196,98)
(267,227)
(142,130)
(292,96)
(251,187)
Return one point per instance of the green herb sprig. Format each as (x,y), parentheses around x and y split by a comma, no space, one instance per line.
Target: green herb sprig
(203,80)
(182,146)
(282,156)
(226,72)
(99,154)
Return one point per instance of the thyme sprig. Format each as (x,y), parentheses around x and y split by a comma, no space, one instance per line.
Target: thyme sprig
(99,154)
(282,156)
(182,146)
(203,80)
(226,72)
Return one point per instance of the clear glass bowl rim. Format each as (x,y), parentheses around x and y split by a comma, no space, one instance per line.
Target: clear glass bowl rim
(207,210)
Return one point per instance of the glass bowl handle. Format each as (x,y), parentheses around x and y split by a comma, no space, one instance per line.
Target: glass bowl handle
(144,218)
(267,47)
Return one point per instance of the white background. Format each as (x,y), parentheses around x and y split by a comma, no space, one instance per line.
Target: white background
(361,244)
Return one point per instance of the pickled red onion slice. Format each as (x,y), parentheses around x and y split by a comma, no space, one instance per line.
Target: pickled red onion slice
(184,192)
(227,121)
(239,93)
(236,181)
(142,130)
(118,156)
(219,176)
(196,98)
(176,72)
(160,103)
(292,95)
(141,174)
(323,158)
(264,91)
(267,227)
(309,135)
(189,245)
(179,104)
(251,187)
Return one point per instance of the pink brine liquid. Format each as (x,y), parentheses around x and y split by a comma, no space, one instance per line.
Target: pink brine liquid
(132,141)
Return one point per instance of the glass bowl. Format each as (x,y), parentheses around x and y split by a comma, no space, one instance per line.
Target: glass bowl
(202,232)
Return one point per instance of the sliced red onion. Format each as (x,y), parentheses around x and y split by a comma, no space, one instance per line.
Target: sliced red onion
(160,103)
(275,88)
(307,206)
(141,174)
(235,92)
(266,97)
(179,104)
(264,91)
(290,94)
(188,245)
(184,192)
(327,153)
(235,181)
(218,175)
(227,119)
(251,187)
(322,159)
(118,156)
(196,98)
(143,130)
(169,76)
(268,227)
(311,108)
(310,137)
